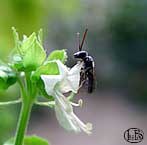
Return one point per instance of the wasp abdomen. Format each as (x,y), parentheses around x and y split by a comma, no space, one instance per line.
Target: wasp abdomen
(90,78)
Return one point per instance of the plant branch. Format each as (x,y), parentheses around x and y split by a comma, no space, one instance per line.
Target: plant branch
(27,103)
(10,102)
(21,86)
(23,122)
(46,104)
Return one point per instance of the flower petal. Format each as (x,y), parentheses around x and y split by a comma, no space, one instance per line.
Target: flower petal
(85,127)
(50,81)
(63,70)
(72,80)
(65,120)
(66,117)
(63,110)
(74,77)
(64,86)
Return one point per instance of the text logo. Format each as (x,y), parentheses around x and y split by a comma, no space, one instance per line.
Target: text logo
(133,135)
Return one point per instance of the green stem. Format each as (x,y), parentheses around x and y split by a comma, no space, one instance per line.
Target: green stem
(23,122)
(28,98)
(10,102)
(46,104)
(21,86)
(28,83)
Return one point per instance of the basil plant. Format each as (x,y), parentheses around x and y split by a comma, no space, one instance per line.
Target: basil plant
(41,75)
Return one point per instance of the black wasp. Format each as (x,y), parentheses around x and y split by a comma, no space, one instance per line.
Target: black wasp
(87,72)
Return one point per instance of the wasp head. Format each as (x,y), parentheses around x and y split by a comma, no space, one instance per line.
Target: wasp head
(81,55)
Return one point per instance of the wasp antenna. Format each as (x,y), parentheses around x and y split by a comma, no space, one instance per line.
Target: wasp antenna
(84,36)
(78,40)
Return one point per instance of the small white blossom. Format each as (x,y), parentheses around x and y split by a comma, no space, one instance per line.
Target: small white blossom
(67,118)
(67,80)
(55,85)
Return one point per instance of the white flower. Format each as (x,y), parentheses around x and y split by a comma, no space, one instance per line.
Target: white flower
(56,85)
(67,118)
(67,80)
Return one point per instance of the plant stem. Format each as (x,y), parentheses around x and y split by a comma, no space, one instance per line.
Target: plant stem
(28,98)
(46,104)
(23,122)
(10,102)
(21,86)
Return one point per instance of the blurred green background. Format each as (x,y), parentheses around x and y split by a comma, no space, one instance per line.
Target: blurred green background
(117,39)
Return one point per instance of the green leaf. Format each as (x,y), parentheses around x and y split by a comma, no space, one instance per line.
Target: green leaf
(29,140)
(40,36)
(30,51)
(35,140)
(16,39)
(34,56)
(7,77)
(3,80)
(50,68)
(42,92)
(27,43)
(58,55)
